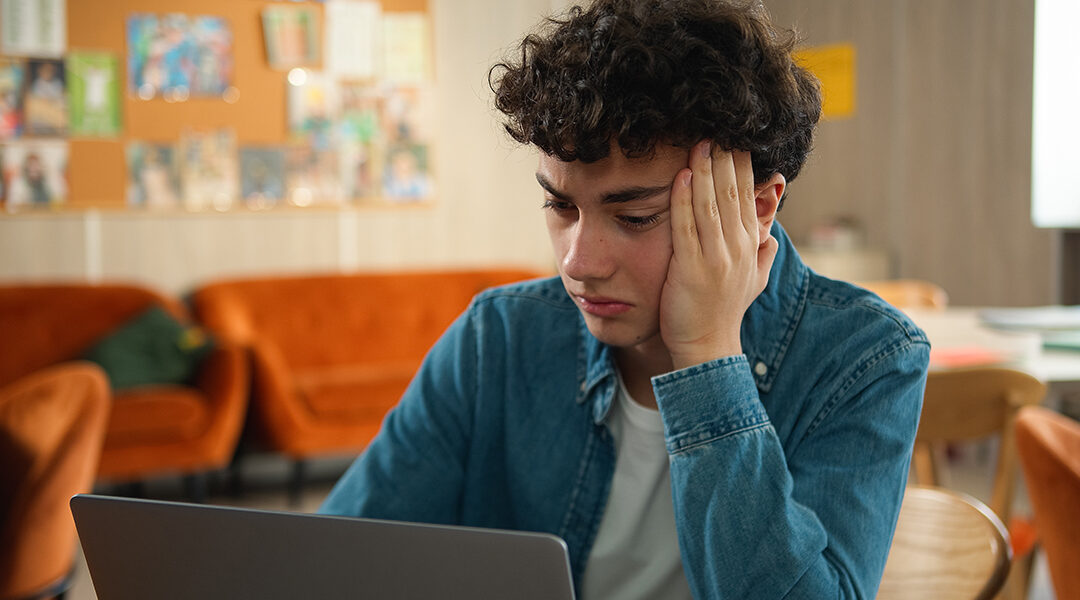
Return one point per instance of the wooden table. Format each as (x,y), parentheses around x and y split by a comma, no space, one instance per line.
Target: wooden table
(957,331)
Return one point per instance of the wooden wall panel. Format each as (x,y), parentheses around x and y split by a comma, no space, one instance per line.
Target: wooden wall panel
(936,161)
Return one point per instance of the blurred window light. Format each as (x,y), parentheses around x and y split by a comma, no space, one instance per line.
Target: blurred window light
(1055,152)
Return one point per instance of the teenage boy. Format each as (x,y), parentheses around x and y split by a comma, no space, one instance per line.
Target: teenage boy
(688,405)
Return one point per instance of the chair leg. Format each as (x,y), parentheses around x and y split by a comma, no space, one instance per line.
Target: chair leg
(296,482)
(195,486)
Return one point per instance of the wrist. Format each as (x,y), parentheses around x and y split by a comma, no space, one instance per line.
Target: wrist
(688,357)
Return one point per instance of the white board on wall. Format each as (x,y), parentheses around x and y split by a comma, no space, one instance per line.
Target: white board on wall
(1055,143)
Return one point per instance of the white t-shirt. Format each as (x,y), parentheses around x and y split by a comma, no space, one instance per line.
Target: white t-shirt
(636,553)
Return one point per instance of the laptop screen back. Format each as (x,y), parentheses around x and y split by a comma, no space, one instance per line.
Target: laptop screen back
(141,549)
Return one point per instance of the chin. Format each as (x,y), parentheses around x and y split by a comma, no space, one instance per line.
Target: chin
(616,334)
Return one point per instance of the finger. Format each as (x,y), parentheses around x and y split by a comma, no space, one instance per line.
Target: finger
(766,256)
(744,174)
(705,210)
(726,185)
(684,235)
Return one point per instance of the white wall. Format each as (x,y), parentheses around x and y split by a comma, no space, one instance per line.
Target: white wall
(486,211)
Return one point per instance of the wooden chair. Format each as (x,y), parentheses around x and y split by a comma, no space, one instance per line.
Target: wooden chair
(908,293)
(946,546)
(1049,448)
(970,404)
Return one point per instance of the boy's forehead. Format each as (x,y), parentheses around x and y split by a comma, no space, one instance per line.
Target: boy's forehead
(664,162)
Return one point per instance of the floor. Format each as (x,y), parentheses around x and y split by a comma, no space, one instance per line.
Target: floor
(970,471)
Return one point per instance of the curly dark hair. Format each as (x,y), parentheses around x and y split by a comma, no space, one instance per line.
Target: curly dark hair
(642,72)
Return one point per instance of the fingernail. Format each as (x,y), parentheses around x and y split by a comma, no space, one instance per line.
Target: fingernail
(685,178)
(706,148)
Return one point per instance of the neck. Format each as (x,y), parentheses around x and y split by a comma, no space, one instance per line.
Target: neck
(638,364)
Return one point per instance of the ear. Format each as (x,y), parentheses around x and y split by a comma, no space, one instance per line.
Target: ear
(767,198)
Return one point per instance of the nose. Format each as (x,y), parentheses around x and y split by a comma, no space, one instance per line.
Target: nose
(589,253)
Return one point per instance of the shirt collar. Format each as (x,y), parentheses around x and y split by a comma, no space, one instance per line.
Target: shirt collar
(767,330)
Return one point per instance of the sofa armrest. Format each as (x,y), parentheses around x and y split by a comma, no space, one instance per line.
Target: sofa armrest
(225,380)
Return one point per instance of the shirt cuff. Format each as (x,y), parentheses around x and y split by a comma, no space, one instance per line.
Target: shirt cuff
(706,402)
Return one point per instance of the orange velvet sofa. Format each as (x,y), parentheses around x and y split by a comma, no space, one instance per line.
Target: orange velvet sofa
(52,423)
(331,354)
(152,430)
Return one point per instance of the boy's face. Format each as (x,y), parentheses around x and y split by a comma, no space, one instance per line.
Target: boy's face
(610,227)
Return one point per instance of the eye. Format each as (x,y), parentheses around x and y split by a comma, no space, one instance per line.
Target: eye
(639,223)
(557,206)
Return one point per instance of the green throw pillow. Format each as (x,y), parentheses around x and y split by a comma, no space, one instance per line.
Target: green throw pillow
(152,348)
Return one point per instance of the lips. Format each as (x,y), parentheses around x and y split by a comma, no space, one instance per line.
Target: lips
(601,306)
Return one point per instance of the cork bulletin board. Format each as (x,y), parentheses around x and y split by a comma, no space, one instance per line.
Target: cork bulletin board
(257,113)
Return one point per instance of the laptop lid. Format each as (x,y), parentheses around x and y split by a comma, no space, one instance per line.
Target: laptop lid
(168,550)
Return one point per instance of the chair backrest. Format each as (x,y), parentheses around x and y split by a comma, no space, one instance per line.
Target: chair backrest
(53,323)
(329,320)
(52,426)
(1049,447)
(970,404)
(908,293)
(947,545)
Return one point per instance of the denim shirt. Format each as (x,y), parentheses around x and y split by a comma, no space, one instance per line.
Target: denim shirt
(788,462)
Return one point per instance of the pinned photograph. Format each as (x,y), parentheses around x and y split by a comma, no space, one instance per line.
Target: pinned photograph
(153,176)
(359,171)
(262,177)
(404,115)
(360,113)
(209,174)
(312,176)
(12,72)
(35,174)
(405,174)
(175,57)
(45,98)
(291,35)
(94,93)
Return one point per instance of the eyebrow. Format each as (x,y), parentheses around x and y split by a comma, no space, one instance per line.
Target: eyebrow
(624,195)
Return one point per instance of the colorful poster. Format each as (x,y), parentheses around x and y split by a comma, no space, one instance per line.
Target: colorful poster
(291,35)
(12,72)
(34,173)
(44,98)
(313,108)
(94,94)
(33,27)
(262,177)
(352,38)
(405,175)
(209,174)
(174,56)
(153,176)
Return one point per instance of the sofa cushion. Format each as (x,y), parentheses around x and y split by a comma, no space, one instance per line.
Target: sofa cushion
(151,348)
(153,414)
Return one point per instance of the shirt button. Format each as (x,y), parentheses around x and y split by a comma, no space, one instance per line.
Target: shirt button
(761,369)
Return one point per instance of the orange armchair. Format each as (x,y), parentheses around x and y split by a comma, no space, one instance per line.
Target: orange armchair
(331,354)
(1049,447)
(52,424)
(154,429)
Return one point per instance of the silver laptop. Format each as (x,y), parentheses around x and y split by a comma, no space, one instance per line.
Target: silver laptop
(143,549)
